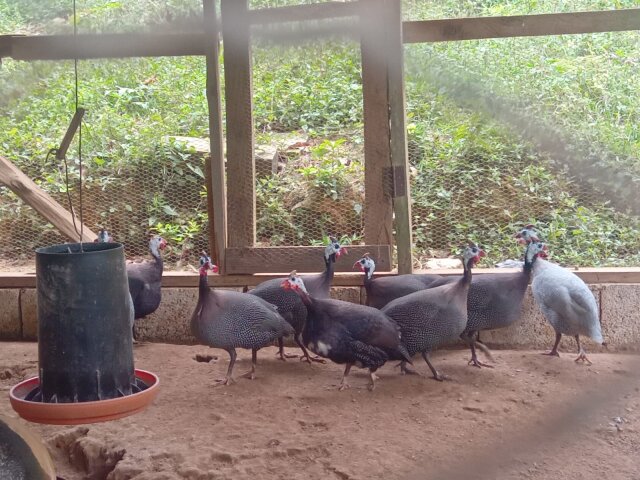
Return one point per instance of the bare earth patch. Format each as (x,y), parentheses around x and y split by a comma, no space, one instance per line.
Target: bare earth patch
(532,417)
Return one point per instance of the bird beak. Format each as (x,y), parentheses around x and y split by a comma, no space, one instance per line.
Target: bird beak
(358,264)
(342,251)
(482,254)
(163,244)
(214,268)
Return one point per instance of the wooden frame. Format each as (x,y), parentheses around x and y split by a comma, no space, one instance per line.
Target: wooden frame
(383,96)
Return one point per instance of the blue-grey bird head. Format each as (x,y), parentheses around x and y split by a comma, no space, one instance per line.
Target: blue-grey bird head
(103,236)
(366,265)
(527,235)
(333,250)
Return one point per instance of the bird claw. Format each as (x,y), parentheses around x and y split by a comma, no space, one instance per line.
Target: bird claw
(552,353)
(371,386)
(440,377)
(583,358)
(309,360)
(224,381)
(344,386)
(251,375)
(477,363)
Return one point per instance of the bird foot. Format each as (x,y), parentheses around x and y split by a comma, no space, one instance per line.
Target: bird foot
(224,381)
(440,377)
(404,370)
(343,386)
(582,357)
(477,363)
(251,375)
(552,353)
(371,386)
(308,359)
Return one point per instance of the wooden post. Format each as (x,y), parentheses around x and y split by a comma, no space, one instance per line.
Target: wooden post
(399,155)
(214,165)
(378,209)
(241,195)
(40,201)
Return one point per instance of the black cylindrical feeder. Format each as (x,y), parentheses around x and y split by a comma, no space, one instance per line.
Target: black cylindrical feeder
(84,323)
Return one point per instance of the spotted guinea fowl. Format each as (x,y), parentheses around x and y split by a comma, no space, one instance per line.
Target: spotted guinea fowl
(228,320)
(290,305)
(433,317)
(103,236)
(565,300)
(495,301)
(382,290)
(348,333)
(145,280)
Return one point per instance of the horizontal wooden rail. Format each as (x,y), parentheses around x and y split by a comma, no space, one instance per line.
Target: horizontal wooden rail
(299,13)
(521,26)
(190,279)
(65,47)
(116,45)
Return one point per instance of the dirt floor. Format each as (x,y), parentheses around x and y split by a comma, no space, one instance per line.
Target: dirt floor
(532,417)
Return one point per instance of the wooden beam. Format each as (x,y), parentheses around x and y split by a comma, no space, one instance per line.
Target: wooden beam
(41,201)
(214,164)
(399,154)
(378,208)
(614,275)
(241,195)
(309,12)
(448,30)
(303,259)
(104,45)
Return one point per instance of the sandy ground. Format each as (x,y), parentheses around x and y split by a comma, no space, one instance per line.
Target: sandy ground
(531,417)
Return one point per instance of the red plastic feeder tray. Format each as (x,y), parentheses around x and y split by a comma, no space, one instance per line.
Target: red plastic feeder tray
(82,412)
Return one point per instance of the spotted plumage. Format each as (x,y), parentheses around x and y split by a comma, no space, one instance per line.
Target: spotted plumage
(290,305)
(228,320)
(348,333)
(434,317)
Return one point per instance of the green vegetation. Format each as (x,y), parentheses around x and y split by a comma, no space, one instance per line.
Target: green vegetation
(472,176)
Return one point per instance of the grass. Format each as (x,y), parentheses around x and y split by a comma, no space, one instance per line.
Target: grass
(473,178)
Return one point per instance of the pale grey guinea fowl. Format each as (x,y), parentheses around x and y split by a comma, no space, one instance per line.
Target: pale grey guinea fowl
(566,302)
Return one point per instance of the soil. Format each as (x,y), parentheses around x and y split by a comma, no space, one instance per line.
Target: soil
(531,417)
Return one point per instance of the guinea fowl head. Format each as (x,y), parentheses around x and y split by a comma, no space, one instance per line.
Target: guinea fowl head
(472,255)
(535,250)
(103,236)
(294,282)
(206,264)
(527,235)
(366,265)
(334,250)
(157,243)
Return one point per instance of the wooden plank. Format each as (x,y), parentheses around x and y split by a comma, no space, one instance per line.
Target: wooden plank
(241,196)
(617,275)
(378,209)
(303,259)
(448,30)
(104,45)
(399,153)
(309,12)
(214,164)
(41,201)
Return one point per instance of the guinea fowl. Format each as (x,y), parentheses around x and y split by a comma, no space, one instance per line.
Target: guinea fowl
(228,320)
(382,290)
(565,300)
(495,301)
(145,280)
(348,333)
(290,305)
(433,317)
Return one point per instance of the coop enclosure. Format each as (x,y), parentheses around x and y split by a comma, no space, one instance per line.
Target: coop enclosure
(265,206)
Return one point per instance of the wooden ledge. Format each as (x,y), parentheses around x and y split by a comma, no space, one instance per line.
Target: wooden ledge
(190,279)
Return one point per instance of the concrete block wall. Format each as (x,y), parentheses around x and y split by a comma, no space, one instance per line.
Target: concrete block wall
(620,318)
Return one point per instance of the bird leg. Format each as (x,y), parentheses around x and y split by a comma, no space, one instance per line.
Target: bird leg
(468,338)
(436,375)
(372,384)
(228,380)
(305,354)
(343,384)
(254,360)
(404,370)
(582,355)
(283,356)
(554,350)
